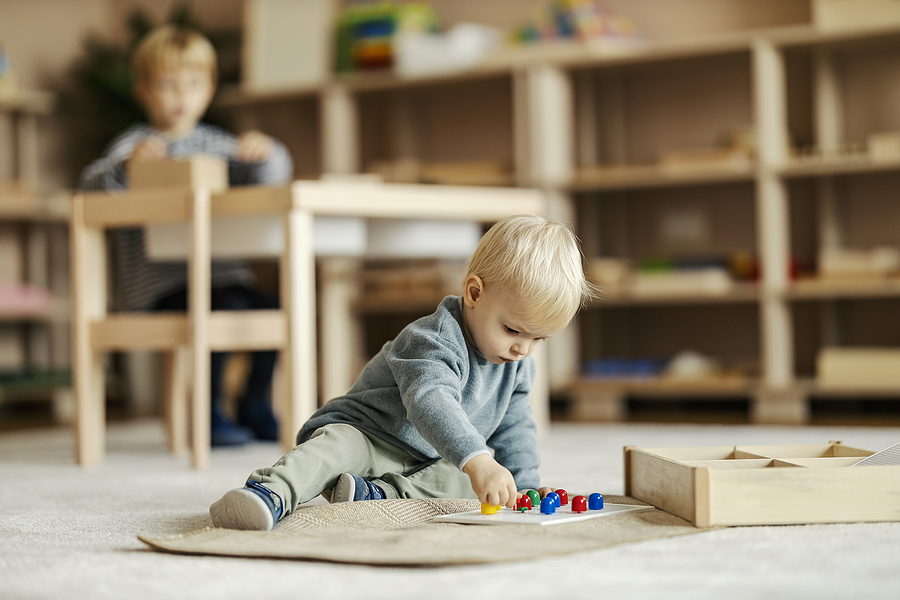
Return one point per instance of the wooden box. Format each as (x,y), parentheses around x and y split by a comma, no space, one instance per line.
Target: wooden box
(858,368)
(287,43)
(764,485)
(193,172)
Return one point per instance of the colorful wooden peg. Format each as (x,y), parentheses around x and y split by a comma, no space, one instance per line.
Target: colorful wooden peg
(489,509)
(579,504)
(548,505)
(524,503)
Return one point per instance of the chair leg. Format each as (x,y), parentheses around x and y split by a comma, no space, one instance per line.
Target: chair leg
(90,407)
(176,406)
(88,267)
(199,266)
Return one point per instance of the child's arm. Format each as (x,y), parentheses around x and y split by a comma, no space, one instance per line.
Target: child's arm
(260,160)
(150,149)
(109,172)
(428,371)
(515,439)
(253,146)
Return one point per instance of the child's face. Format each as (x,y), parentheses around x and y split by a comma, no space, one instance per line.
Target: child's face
(496,330)
(176,98)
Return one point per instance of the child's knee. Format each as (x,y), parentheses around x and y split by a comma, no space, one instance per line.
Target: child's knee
(337,430)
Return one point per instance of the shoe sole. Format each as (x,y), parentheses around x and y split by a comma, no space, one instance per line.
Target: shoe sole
(242,509)
(344,489)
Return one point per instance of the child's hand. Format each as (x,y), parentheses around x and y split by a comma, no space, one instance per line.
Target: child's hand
(492,482)
(253,147)
(150,149)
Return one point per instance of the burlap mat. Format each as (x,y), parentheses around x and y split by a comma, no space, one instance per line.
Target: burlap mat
(401,532)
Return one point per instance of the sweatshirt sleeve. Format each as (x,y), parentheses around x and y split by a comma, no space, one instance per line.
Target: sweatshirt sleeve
(278,168)
(108,172)
(429,370)
(515,439)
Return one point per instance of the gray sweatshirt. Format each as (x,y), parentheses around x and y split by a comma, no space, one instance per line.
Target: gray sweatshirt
(432,393)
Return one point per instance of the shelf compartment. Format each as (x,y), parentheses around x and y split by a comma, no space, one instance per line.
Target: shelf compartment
(604,399)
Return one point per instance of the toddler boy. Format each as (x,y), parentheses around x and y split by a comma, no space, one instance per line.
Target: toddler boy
(442,411)
(175,75)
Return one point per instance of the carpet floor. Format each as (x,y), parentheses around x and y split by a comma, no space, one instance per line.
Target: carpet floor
(71,532)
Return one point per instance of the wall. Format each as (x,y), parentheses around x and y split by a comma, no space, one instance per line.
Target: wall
(45,37)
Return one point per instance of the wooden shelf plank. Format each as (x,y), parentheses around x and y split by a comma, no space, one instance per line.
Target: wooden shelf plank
(32,102)
(570,54)
(623,296)
(235,96)
(824,167)
(664,386)
(653,176)
(19,203)
(811,387)
(826,289)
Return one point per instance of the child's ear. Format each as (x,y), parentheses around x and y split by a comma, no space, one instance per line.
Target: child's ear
(474,288)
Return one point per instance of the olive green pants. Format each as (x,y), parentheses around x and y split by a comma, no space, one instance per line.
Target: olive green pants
(313,467)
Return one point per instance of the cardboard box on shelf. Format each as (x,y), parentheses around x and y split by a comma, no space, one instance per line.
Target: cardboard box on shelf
(858,368)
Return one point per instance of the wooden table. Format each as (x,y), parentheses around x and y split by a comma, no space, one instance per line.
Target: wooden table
(294,327)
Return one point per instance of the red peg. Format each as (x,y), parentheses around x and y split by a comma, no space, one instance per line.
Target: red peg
(563,496)
(524,503)
(579,504)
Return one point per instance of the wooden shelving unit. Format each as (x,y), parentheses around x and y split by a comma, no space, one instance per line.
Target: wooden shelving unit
(34,226)
(591,124)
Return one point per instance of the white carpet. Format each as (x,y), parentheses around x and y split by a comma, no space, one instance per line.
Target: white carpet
(68,532)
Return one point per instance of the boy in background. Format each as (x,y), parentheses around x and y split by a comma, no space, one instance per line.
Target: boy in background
(443,410)
(175,75)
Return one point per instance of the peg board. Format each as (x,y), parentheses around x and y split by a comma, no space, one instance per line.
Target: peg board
(564,514)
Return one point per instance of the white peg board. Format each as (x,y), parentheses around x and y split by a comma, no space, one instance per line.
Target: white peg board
(564,514)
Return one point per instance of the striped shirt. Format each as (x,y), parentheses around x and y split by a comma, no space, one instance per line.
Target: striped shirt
(139,281)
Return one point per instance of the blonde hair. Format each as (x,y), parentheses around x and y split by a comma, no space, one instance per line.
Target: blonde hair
(536,262)
(172,47)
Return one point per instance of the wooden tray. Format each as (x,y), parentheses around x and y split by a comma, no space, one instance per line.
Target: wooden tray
(764,485)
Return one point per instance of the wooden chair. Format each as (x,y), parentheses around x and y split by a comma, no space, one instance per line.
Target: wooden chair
(196,333)
(291,330)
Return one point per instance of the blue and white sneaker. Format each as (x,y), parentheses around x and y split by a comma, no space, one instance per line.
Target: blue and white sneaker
(254,507)
(353,488)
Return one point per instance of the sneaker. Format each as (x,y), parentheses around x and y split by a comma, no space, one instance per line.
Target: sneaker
(256,415)
(353,488)
(254,507)
(223,432)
